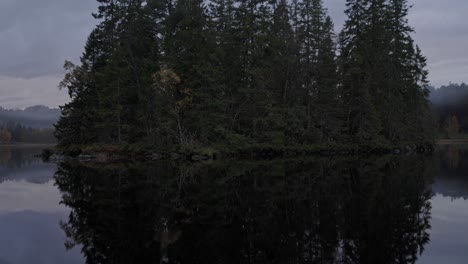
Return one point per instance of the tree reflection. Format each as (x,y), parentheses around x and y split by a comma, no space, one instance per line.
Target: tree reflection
(5,155)
(452,180)
(452,156)
(296,211)
(14,157)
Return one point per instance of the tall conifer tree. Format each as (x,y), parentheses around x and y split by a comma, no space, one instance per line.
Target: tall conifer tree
(362,121)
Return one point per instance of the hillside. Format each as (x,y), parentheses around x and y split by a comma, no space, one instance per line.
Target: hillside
(449,94)
(35,116)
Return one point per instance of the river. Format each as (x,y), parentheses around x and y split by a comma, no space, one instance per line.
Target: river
(391,209)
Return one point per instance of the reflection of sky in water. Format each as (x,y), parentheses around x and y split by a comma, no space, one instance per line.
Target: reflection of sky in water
(19,196)
(30,237)
(30,214)
(449,233)
(33,173)
(453,187)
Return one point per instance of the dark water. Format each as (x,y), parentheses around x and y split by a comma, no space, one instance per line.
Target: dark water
(395,209)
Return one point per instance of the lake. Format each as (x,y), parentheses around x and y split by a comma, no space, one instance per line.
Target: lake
(391,209)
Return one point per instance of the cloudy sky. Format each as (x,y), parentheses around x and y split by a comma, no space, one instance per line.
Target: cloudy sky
(36,37)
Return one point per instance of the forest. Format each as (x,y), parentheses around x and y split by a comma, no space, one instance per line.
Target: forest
(37,116)
(16,133)
(32,125)
(191,73)
(450,107)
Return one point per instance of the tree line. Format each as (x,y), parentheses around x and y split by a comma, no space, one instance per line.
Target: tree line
(11,132)
(37,116)
(450,108)
(168,73)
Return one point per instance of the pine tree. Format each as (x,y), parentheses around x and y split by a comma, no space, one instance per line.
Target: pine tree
(228,67)
(193,73)
(362,121)
(399,49)
(410,120)
(327,99)
(80,117)
(376,57)
(126,80)
(315,57)
(253,23)
(279,75)
(191,53)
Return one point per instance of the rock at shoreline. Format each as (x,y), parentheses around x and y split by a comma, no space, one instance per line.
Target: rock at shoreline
(176,156)
(199,158)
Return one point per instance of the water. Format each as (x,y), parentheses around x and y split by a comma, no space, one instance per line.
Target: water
(30,212)
(394,209)
(449,233)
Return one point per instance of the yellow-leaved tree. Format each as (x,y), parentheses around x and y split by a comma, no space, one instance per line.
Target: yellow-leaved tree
(178,98)
(5,136)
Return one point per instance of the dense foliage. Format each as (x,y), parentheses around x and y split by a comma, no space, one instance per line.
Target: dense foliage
(236,72)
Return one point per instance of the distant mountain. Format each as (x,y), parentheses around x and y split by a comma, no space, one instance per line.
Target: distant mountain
(38,116)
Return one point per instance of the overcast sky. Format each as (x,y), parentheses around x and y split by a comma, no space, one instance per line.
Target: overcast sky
(36,37)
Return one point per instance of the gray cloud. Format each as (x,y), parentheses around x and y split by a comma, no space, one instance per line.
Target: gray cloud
(21,93)
(442,32)
(37,36)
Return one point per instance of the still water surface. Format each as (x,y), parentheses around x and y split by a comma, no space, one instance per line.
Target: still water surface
(395,209)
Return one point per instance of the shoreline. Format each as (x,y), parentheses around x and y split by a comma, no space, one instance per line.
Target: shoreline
(452,141)
(107,154)
(50,145)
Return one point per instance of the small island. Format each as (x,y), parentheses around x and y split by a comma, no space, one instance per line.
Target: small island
(247,78)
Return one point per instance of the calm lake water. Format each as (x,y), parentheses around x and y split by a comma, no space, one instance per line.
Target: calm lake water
(394,209)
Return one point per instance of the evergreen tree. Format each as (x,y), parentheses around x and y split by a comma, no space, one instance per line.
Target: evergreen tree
(327,99)
(193,73)
(311,20)
(279,75)
(191,53)
(79,122)
(362,121)
(411,119)
(253,23)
